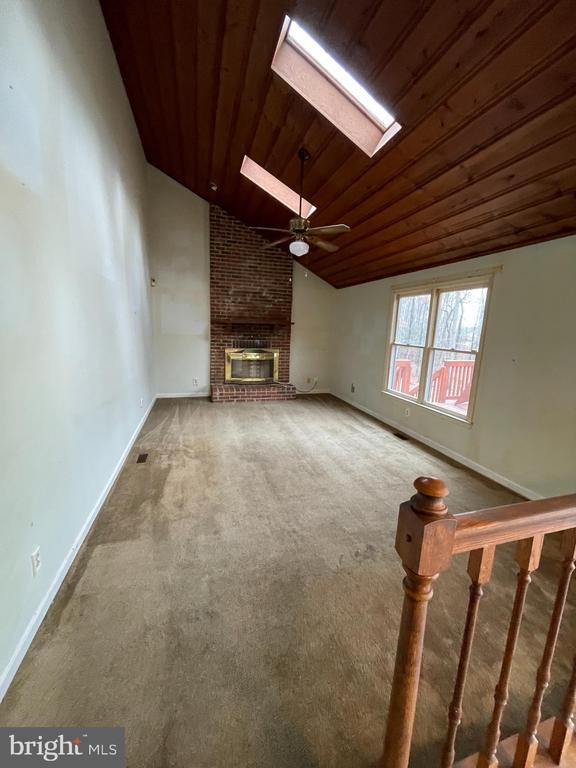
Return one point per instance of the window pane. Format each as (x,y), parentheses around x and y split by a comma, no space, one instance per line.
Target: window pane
(412,319)
(405,367)
(459,321)
(450,380)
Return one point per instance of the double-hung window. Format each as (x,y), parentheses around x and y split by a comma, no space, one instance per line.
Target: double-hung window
(435,343)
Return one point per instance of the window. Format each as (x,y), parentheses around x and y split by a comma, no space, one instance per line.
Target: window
(274,187)
(302,62)
(435,341)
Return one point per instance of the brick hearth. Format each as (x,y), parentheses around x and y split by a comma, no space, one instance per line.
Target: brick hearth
(250,305)
(243,393)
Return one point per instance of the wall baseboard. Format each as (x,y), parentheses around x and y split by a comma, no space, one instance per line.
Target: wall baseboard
(29,633)
(479,468)
(182,394)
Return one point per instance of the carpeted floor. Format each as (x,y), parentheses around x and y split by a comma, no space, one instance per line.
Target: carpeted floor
(237,601)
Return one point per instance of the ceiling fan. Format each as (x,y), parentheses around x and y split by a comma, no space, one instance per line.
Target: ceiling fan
(300,234)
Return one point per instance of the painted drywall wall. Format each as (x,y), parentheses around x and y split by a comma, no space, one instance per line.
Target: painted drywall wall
(524,430)
(178,238)
(74,316)
(310,349)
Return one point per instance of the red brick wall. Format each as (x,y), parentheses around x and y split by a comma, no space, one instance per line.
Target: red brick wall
(246,282)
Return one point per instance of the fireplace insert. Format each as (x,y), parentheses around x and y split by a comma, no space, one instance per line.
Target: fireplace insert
(251,365)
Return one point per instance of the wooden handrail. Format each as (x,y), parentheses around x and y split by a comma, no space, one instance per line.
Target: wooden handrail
(513,522)
(427,537)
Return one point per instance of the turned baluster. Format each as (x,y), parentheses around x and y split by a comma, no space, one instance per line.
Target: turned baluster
(563,728)
(527,745)
(479,569)
(528,558)
(424,539)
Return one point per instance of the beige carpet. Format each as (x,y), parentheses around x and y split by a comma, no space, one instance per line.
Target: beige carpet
(237,601)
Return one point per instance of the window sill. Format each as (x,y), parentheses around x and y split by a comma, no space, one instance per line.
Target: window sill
(467,422)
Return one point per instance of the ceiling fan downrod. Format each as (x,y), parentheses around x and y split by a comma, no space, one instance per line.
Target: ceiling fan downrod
(304,155)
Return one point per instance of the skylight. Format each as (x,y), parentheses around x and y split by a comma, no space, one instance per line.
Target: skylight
(273,186)
(301,39)
(302,62)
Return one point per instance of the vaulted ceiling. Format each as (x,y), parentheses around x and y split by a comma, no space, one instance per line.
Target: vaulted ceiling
(485,91)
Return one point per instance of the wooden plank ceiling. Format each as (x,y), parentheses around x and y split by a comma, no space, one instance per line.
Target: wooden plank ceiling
(485,91)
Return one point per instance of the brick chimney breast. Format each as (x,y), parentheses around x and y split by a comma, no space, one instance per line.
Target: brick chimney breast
(250,305)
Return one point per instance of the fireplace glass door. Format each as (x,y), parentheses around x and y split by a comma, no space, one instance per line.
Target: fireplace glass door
(251,366)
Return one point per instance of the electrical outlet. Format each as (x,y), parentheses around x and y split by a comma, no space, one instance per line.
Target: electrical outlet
(141,402)
(406,411)
(36,561)
(194,382)
(352,388)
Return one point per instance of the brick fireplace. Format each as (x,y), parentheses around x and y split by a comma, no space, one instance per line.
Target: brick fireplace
(250,307)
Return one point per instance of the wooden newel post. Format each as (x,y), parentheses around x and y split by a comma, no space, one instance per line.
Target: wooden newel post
(424,539)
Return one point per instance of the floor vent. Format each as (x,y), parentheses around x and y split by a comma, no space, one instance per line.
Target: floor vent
(141,458)
(401,436)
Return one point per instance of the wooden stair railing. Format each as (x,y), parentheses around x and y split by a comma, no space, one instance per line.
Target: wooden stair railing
(427,537)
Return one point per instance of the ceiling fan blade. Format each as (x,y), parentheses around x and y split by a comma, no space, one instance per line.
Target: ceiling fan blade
(330,229)
(324,244)
(276,242)
(273,229)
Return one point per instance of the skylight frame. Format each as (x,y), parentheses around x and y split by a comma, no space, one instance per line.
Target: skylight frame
(281,192)
(298,38)
(302,62)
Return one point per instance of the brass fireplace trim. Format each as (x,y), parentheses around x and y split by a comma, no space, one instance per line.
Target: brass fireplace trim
(250,354)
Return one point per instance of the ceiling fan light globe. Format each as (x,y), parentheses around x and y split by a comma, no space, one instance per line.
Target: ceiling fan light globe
(299,248)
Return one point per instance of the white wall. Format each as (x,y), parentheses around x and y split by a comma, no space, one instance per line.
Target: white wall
(310,349)
(178,236)
(524,429)
(74,317)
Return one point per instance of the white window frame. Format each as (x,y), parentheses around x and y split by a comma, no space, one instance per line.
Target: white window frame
(434,289)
